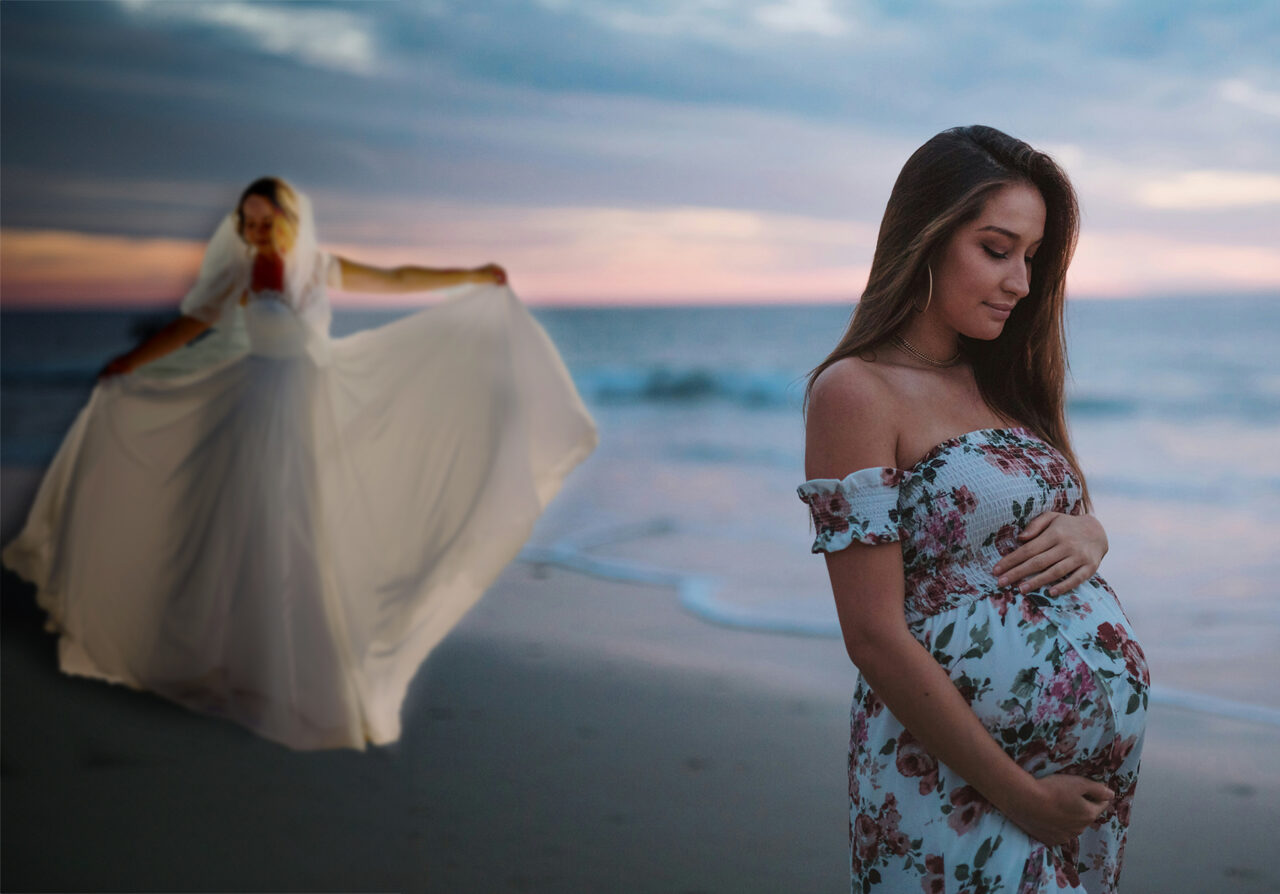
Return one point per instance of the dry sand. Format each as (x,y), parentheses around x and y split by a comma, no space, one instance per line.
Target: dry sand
(572,735)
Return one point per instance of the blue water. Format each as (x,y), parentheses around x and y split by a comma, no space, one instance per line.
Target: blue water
(1179,359)
(1174,407)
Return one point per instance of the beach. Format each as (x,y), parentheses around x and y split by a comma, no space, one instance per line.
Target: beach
(573,734)
(654,696)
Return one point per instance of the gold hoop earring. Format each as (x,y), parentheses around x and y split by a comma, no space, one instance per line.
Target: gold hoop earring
(929,298)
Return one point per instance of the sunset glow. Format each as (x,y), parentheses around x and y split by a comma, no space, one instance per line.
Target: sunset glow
(709,153)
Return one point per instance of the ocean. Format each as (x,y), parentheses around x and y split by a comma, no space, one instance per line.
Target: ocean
(1174,408)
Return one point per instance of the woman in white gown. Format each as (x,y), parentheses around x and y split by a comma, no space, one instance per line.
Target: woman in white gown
(280,535)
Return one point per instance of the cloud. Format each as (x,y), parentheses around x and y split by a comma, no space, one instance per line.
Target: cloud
(803,17)
(1120,263)
(1210,189)
(145,118)
(1243,93)
(54,267)
(732,23)
(327,38)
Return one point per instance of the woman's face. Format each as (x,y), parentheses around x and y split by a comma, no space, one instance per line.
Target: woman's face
(259,217)
(985,268)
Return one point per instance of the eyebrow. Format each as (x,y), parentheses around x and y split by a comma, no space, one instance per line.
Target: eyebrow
(1003,232)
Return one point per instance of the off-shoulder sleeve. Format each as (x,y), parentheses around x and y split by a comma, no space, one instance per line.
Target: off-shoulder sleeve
(861,507)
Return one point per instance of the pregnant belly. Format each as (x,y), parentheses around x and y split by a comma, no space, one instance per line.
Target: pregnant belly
(1062,686)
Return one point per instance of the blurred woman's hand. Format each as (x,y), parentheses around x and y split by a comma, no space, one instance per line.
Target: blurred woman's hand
(490,273)
(118,366)
(1059,549)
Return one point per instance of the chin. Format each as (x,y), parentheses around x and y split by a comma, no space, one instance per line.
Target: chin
(983,333)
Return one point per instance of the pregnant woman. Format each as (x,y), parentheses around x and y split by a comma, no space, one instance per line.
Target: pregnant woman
(998,719)
(276,527)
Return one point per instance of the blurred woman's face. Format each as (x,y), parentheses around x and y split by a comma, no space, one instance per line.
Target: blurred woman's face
(259,217)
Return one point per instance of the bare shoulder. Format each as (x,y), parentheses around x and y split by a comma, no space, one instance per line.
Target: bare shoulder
(850,423)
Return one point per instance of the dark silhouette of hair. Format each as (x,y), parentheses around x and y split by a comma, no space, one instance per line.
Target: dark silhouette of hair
(945,183)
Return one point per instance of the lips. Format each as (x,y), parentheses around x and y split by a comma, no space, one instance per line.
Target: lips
(1003,309)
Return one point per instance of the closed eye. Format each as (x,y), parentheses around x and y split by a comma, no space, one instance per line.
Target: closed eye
(998,255)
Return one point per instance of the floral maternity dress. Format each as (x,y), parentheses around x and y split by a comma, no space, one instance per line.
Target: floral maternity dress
(1059,681)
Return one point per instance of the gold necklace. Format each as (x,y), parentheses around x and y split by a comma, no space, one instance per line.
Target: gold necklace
(901,342)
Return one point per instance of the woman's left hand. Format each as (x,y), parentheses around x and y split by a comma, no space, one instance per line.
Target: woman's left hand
(490,273)
(1059,549)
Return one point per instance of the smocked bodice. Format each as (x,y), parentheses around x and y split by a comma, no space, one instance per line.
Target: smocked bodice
(956,512)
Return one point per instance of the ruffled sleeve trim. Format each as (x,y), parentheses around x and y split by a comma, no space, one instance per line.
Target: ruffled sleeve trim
(862,507)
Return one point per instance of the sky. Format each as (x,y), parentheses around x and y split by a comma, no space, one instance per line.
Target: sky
(611,152)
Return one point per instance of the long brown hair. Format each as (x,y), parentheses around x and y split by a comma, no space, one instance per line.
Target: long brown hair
(1021,374)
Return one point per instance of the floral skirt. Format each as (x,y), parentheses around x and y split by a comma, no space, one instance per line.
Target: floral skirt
(1063,693)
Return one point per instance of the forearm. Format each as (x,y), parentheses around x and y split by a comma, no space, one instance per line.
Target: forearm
(416,279)
(167,340)
(918,692)
(361,278)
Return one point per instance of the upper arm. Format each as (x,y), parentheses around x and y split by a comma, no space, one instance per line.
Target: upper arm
(850,426)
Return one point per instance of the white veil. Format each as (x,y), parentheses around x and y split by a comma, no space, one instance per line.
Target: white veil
(307,271)
(225,274)
(228,262)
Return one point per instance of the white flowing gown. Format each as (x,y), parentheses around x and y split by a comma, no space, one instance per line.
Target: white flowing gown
(281,538)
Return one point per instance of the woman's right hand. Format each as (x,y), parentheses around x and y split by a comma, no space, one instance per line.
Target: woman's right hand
(117,366)
(1060,807)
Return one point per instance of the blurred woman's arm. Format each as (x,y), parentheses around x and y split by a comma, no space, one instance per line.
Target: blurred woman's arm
(165,341)
(357,277)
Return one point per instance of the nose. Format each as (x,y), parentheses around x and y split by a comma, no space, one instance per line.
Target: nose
(1018,282)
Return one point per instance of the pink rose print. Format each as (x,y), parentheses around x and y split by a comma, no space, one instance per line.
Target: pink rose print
(1061,503)
(830,511)
(914,761)
(1034,756)
(1008,460)
(1064,864)
(935,882)
(941,532)
(1135,662)
(964,499)
(1066,744)
(1055,472)
(967,808)
(866,839)
(1007,539)
(1031,613)
(858,732)
(892,477)
(1001,599)
(1110,636)
(894,840)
